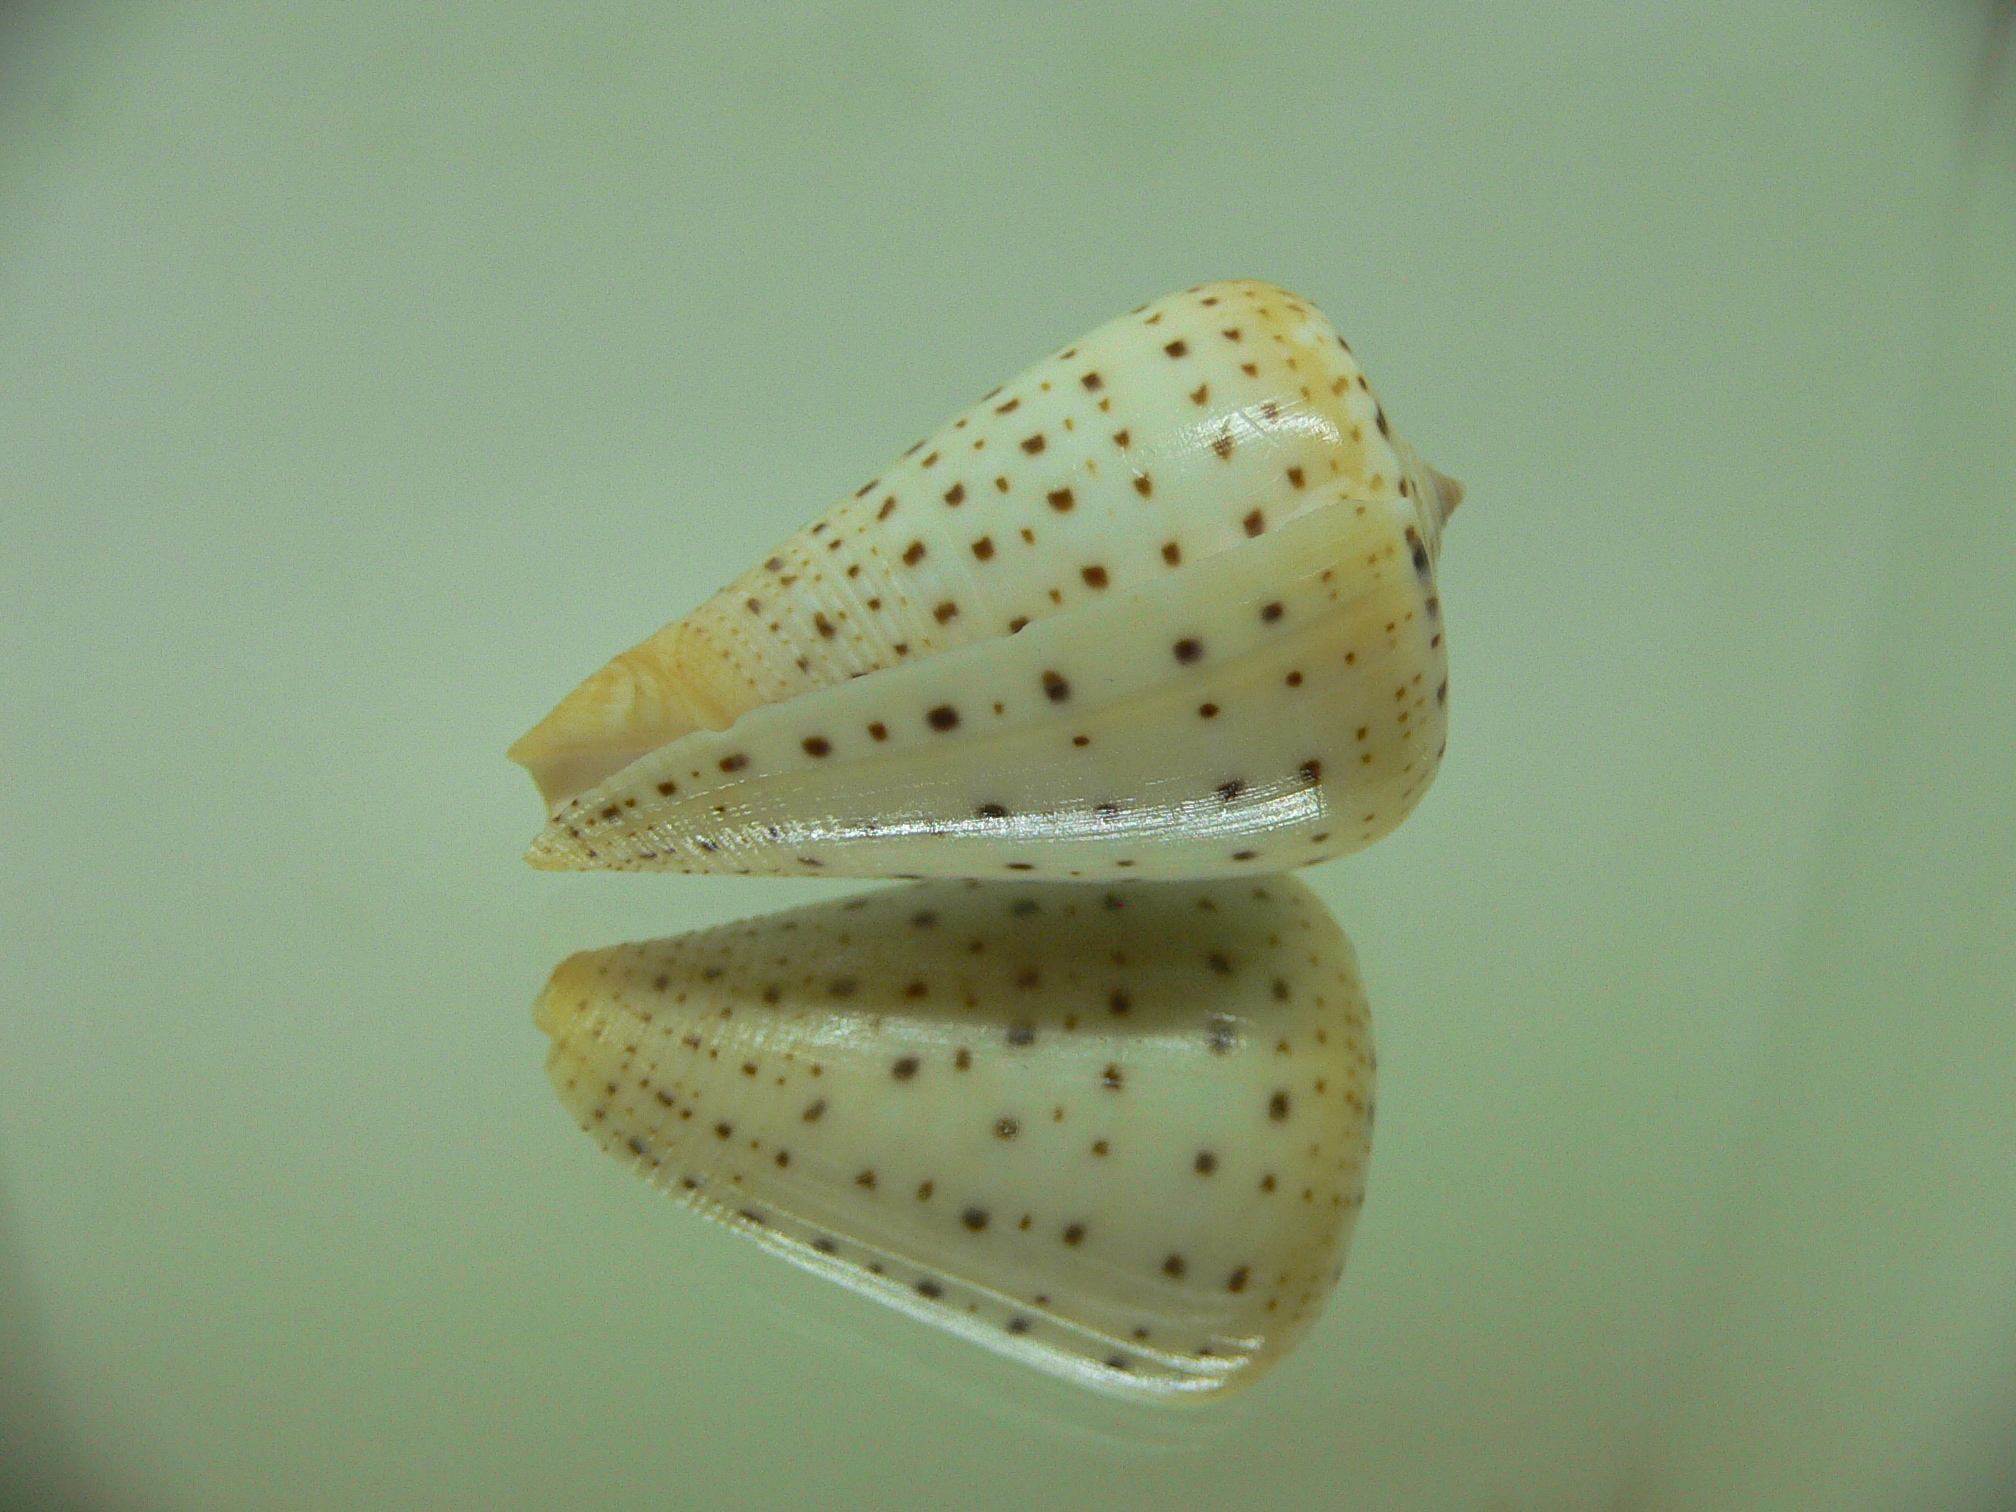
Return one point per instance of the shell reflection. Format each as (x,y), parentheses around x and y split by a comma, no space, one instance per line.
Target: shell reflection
(1119,1133)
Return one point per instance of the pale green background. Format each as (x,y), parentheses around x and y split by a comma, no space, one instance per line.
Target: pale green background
(369,372)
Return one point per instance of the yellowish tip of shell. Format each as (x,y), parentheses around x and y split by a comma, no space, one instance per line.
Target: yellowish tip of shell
(546,1013)
(630,707)
(570,992)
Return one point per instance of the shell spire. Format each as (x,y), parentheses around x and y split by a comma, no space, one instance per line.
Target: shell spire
(1161,606)
(1118,1133)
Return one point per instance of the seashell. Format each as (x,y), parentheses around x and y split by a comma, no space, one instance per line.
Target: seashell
(1162,606)
(1118,1133)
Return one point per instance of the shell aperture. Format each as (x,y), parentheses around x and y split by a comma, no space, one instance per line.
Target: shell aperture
(1119,1133)
(1163,606)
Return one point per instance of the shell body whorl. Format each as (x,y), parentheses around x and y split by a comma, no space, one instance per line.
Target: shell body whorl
(1161,606)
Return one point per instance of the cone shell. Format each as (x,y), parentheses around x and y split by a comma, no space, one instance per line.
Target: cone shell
(1162,606)
(1118,1133)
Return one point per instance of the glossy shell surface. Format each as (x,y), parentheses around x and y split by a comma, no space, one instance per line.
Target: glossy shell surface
(1162,606)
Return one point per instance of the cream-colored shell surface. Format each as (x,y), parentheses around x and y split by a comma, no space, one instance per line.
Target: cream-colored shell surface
(1119,1133)
(1163,605)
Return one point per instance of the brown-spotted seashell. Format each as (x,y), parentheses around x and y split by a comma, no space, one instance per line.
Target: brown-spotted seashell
(1163,606)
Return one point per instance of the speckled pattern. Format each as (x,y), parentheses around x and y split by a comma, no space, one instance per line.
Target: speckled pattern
(1183,555)
(1120,1132)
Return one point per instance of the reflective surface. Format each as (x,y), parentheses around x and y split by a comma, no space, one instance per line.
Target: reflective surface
(327,340)
(1117,1132)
